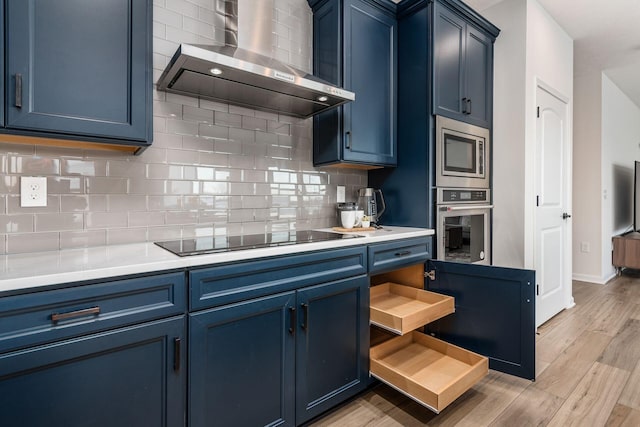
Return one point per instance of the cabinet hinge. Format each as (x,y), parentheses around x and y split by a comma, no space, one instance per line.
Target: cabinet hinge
(537,289)
(538,112)
(431,274)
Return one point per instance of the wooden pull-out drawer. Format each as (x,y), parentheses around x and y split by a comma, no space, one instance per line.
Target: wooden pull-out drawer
(428,370)
(401,309)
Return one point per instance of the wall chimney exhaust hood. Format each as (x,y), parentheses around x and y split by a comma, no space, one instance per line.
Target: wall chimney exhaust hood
(237,76)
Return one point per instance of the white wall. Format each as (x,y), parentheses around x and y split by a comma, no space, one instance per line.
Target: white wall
(607,142)
(550,62)
(531,47)
(587,131)
(508,132)
(620,148)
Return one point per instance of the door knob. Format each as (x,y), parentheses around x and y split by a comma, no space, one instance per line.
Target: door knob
(565,215)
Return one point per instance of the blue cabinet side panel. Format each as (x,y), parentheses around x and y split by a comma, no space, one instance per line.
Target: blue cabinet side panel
(327,64)
(495,313)
(407,188)
(242,364)
(125,377)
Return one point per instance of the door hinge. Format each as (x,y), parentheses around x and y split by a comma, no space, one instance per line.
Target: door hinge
(538,112)
(431,274)
(537,289)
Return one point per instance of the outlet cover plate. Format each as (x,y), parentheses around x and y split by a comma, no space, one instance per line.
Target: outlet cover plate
(340,194)
(33,191)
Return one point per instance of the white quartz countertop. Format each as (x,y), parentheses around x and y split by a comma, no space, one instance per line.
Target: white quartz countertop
(19,272)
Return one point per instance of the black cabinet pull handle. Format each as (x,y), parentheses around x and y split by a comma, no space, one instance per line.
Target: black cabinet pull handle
(464,105)
(176,353)
(469,106)
(305,318)
(402,253)
(57,317)
(347,142)
(18,90)
(292,320)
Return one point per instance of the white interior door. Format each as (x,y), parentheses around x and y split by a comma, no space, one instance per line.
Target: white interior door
(552,223)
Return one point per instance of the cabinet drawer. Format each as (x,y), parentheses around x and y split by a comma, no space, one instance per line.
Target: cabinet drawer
(444,371)
(61,313)
(389,256)
(210,287)
(401,309)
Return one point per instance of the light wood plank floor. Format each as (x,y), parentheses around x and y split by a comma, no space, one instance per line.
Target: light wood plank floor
(588,374)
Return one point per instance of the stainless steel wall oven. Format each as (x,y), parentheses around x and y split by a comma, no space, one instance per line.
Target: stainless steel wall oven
(463,228)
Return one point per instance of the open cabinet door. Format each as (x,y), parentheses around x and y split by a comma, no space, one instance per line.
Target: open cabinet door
(495,313)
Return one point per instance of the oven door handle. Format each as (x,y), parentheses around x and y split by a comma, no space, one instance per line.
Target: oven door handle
(464,208)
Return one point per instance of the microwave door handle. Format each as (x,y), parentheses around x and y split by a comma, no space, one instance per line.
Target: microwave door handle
(465,208)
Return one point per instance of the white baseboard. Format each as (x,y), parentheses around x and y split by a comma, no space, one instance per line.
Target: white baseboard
(592,279)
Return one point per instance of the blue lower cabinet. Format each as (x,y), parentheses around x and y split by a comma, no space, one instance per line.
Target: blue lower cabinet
(126,377)
(241,362)
(332,346)
(281,359)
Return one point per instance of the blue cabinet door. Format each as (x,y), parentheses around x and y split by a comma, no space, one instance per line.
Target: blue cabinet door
(370,40)
(332,346)
(495,313)
(79,68)
(2,88)
(241,363)
(478,77)
(449,38)
(355,44)
(462,67)
(125,377)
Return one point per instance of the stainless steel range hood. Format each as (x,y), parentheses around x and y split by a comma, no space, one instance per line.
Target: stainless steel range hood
(237,76)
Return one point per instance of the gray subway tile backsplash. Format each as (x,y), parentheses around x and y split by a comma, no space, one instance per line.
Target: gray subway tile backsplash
(214,168)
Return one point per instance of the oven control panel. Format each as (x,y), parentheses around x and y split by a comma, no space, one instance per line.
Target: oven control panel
(463,195)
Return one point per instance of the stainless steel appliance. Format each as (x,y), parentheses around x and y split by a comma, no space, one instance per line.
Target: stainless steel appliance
(215,244)
(463,217)
(367,201)
(242,77)
(462,154)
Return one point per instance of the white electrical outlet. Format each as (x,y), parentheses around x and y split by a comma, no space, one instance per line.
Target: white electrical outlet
(340,198)
(584,247)
(33,191)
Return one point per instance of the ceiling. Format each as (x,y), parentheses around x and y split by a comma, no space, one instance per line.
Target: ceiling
(606,36)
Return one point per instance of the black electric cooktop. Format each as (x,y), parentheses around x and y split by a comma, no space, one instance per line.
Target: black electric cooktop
(215,244)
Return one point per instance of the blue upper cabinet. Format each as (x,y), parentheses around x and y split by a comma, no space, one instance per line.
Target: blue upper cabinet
(355,46)
(79,70)
(462,67)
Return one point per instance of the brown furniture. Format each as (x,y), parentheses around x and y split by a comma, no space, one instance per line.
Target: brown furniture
(626,251)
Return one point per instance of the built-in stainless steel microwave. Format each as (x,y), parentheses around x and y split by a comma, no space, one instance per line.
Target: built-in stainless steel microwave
(462,154)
